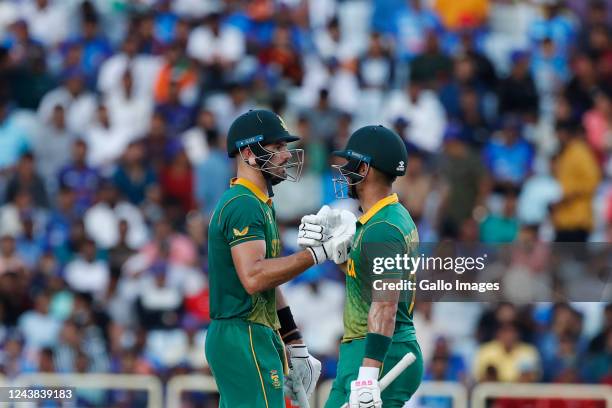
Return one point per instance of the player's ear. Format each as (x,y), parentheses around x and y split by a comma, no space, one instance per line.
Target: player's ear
(363,169)
(249,156)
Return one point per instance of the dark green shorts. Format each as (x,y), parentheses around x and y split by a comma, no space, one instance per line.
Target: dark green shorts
(247,360)
(398,392)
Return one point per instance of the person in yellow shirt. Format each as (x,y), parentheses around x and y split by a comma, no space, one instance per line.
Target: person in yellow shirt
(577,171)
(506,355)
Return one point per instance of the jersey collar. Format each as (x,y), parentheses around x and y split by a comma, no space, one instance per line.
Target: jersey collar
(392,199)
(252,187)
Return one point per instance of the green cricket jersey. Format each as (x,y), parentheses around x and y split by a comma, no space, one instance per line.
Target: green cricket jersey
(244,213)
(384,231)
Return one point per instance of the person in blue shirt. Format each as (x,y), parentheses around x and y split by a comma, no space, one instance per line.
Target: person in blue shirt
(509,157)
(212,175)
(79,177)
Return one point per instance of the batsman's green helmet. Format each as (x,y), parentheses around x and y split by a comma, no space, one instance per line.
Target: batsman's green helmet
(257,126)
(378,146)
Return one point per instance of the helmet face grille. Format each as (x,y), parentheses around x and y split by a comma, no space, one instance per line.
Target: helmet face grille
(291,170)
(347,176)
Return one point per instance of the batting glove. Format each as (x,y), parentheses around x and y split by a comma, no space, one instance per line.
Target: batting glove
(304,371)
(317,228)
(365,391)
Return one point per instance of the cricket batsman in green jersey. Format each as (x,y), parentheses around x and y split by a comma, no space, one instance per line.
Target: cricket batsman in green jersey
(378,326)
(251,322)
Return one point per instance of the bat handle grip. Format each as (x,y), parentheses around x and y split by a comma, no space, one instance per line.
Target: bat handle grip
(397,369)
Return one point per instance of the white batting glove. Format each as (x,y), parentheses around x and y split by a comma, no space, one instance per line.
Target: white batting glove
(304,371)
(365,391)
(336,249)
(317,228)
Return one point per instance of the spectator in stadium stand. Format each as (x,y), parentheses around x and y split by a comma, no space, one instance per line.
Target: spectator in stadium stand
(577,171)
(415,187)
(92,44)
(376,68)
(598,343)
(40,328)
(177,181)
(212,175)
(181,250)
(102,219)
(25,178)
(134,175)
(51,148)
(144,69)
(45,363)
(508,156)
(178,115)
(13,143)
(432,66)
(195,138)
(281,58)
(87,273)
(517,92)
(506,354)
(425,114)
(502,227)
(121,252)
(226,106)
(79,104)
(598,125)
(179,70)
(566,364)
(129,112)
(218,47)
(464,181)
(30,242)
(579,90)
(29,84)
(556,23)
(79,177)
(12,212)
(12,359)
(21,46)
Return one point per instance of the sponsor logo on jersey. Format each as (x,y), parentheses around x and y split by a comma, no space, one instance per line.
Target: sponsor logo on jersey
(241,233)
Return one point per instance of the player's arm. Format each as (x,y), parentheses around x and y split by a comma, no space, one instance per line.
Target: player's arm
(289,331)
(256,273)
(386,241)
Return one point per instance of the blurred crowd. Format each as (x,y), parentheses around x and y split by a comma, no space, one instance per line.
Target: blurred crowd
(113,116)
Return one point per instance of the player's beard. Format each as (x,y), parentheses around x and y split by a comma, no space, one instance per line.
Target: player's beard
(352,191)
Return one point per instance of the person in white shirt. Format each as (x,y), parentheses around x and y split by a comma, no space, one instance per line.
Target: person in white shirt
(105,142)
(195,139)
(215,44)
(78,103)
(129,113)
(86,274)
(424,113)
(226,107)
(102,220)
(52,145)
(41,15)
(144,70)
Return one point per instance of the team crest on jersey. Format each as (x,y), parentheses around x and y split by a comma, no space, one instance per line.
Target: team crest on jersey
(276,383)
(401,166)
(241,233)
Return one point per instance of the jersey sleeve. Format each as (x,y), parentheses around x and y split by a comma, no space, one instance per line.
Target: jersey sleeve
(382,251)
(242,220)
